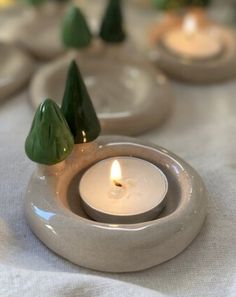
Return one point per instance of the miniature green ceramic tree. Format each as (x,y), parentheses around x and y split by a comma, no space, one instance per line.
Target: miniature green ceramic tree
(50,140)
(78,109)
(75,30)
(112,30)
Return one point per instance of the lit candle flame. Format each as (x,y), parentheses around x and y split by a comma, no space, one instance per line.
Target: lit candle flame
(190,25)
(116,174)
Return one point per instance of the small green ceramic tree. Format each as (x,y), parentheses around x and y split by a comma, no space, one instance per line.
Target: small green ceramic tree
(50,140)
(78,109)
(75,30)
(112,30)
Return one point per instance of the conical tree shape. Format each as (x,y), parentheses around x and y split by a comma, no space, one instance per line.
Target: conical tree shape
(50,140)
(112,30)
(78,109)
(75,30)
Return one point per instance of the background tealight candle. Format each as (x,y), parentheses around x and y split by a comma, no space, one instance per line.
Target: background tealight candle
(191,41)
(123,190)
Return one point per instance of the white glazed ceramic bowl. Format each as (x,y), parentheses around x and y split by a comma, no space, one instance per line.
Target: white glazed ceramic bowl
(219,68)
(129,95)
(15,71)
(55,215)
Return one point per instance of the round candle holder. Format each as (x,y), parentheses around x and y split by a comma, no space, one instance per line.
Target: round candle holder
(195,70)
(126,88)
(55,214)
(37,30)
(15,71)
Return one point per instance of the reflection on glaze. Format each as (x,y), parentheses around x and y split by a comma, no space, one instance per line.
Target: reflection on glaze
(45,215)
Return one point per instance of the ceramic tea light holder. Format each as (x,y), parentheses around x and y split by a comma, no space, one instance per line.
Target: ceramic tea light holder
(125,87)
(15,71)
(38,30)
(196,51)
(109,203)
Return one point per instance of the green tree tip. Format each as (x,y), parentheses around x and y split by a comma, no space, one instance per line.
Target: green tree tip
(78,109)
(50,140)
(111,30)
(75,30)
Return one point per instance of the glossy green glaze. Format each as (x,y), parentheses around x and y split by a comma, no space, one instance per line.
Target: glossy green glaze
(50,140)
(75,30)
(78,109)
(112,30)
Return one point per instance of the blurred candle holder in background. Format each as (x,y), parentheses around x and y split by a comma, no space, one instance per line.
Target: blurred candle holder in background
(193,42)
(194,49)
(126,88)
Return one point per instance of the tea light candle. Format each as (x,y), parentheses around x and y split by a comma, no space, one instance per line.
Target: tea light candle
(192,42)
(123,190)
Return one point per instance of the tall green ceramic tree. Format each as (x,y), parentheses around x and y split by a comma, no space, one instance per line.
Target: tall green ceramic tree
(78,109)
(112,30)
(75,30)
(50,140)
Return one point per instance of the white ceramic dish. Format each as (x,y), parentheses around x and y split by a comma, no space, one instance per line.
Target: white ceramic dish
(15,71)
(54,213)
(126,90)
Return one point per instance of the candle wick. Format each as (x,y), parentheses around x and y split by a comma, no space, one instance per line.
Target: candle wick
(117,183)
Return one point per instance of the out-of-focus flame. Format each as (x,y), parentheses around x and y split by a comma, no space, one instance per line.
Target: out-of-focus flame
(190,25)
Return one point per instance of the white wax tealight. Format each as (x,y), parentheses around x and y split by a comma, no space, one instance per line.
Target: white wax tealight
(123,190)
(192,42)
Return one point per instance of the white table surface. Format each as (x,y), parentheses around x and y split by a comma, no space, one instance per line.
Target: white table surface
(202,130)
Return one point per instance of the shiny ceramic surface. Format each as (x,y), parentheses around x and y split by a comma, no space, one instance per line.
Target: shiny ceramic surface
(125,88)
(15,71)
(219,68)
(54,213)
